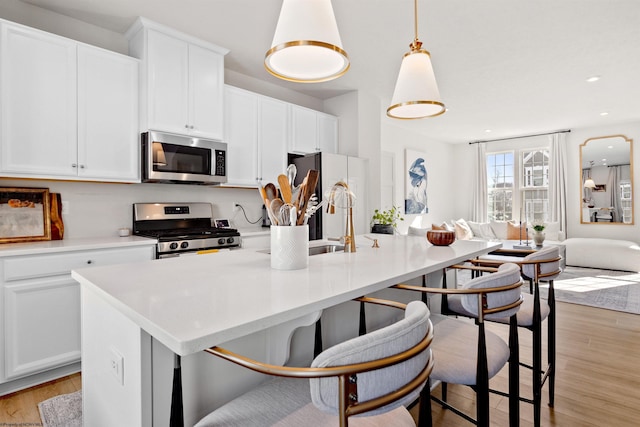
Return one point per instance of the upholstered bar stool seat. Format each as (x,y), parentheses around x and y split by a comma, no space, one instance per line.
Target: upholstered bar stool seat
(524,316)
(366,381)
(286,402)
(455,343)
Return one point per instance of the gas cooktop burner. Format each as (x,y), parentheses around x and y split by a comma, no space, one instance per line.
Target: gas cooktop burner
(182,228)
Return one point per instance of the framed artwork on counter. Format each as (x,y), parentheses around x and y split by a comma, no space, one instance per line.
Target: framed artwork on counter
(24,215)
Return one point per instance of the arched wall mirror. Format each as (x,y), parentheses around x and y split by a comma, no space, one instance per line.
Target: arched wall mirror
(606,180)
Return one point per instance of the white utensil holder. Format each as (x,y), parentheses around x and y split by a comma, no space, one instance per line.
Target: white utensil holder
(289,247)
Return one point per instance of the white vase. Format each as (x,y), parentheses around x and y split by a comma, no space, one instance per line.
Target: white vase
(538,237)
(289,247)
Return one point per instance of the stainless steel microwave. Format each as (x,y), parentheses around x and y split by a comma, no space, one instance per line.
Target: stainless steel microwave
(169,158)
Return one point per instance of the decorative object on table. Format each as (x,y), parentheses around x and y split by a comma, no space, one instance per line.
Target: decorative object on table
(416,183)
(288,212)
(385,222)
(25,214)
(57,226)
(441,237)
(538,234)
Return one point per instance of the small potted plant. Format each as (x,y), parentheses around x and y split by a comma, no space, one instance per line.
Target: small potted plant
(385,222)
(538,233)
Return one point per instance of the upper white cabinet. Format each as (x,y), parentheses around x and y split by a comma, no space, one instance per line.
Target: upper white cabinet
(182,80)
(69,111)
(312,131)
(256,132)
(108,135)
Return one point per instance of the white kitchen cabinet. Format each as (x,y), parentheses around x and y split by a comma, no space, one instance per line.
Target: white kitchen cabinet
(312,131)
(273,134)
(108,138)
(256,131)
(69,110)
(41,306)
(39,103)
(182,81)
(241,136)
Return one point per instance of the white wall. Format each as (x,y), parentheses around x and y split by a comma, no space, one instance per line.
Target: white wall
(463,154)
(96,209)
(439,161)
(26,14)
(615,231)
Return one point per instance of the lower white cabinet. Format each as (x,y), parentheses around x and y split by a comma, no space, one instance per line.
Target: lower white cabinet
(41,306)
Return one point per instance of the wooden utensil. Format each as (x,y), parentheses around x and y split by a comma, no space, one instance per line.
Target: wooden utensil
(271,191)
(309,189)
(274,207)
(285,188)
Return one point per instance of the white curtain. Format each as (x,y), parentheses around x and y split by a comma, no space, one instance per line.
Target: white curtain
(558,180)
(480,193)
(615,176)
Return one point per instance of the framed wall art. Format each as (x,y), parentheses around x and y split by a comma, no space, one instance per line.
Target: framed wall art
(24,215)
(415,201)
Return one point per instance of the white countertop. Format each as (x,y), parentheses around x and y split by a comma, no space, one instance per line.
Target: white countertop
(51,246)
(192,303)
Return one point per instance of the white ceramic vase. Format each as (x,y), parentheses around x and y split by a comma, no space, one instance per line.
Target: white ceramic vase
(538,237)
(289,247)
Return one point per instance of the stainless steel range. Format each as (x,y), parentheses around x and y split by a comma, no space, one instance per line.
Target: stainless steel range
(182,228)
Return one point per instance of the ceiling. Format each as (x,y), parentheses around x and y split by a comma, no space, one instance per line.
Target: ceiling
(515,67)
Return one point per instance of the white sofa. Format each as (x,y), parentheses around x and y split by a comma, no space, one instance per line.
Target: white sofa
(610,254)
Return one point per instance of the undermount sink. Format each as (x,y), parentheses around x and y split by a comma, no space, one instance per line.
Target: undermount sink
(317,250)
(325,249)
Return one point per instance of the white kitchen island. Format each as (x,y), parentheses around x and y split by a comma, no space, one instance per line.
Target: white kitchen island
(135,315)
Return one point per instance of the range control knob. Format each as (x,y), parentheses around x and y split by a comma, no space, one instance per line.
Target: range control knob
(230,240)
(221,241)
(173,246)
(184,245)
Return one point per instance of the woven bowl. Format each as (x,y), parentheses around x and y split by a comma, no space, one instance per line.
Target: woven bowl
(441,237)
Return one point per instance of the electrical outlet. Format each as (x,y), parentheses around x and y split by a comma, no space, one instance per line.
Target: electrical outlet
(65,207)
(236,207)
(116,365)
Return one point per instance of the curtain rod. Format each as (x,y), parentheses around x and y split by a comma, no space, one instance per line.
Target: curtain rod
(523,136)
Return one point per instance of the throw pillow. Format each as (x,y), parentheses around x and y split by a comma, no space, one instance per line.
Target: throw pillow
(482,230)
(463,231)
(499,229)
(516,232)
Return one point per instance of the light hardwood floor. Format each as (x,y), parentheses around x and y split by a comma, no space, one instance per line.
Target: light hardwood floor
(597,383)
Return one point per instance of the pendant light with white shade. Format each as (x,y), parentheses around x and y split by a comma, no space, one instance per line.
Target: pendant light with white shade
(416,94)
(306,46)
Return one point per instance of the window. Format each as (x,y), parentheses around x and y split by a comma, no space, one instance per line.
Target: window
(525,198)
(500,186)
(535,185)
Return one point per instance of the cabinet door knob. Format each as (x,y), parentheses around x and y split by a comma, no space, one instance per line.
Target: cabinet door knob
(191,127)
(186,126)
(82,166)
(73,165)
(89,262)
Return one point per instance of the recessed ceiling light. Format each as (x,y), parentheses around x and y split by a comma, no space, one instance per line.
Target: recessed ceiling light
(604,113)
(593,79)
(487,130)
(604,160)
(611,146)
